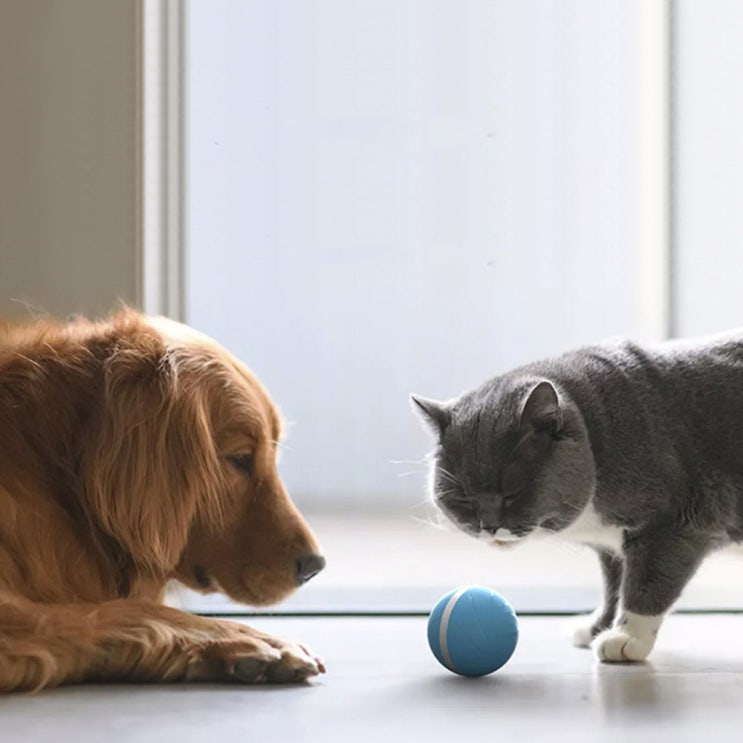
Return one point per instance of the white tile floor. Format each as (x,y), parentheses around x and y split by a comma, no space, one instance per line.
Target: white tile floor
(383,685)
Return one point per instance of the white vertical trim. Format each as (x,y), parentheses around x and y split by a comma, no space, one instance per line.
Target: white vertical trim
(162,261)
(654,153)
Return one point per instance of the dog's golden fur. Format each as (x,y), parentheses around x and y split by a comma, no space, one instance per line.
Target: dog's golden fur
(132,452)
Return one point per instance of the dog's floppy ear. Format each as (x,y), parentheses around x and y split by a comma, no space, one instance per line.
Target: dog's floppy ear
(151,464)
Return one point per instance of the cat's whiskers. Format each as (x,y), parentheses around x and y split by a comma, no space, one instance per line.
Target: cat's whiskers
(411,472)
(427,501)
(423,460)
(434,517)
(568,544)
(449,477)
(437,521)
(574,506)
(447,495)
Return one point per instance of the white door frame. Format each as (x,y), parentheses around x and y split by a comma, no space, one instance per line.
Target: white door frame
(161,265)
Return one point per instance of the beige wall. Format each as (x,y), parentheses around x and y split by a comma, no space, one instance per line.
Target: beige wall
(69,236)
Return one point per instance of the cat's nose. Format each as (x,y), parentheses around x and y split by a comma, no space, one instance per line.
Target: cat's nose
(308,567)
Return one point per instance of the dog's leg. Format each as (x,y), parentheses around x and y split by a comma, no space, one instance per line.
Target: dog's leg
(46,645)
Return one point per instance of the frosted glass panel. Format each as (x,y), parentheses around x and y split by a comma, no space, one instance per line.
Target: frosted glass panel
(709,183)
(395,196)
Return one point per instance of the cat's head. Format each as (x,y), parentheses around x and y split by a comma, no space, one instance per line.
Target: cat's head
(512,458)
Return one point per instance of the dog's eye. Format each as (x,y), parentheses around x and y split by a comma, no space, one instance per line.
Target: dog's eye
(242,462)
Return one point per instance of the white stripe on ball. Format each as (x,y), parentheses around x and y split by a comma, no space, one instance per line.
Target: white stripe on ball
(444,626)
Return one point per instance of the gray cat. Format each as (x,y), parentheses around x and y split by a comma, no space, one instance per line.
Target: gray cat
(634,450)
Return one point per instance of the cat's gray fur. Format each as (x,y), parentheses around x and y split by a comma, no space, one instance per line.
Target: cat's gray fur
(651,437)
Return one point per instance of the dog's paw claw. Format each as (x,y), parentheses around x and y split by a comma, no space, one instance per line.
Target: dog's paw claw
(250,657)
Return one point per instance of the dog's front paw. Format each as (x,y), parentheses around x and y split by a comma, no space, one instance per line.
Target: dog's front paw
(257,659)
(278,662)
(297,662)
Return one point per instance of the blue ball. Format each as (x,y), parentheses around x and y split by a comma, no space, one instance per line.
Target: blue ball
(473,631)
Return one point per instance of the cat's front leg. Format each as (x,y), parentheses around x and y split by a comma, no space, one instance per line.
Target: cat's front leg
(658,564)
(603,618)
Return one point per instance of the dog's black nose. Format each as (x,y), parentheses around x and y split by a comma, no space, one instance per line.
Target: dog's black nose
(308,567)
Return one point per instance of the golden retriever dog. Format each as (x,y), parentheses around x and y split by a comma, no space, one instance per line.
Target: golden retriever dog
(134,452)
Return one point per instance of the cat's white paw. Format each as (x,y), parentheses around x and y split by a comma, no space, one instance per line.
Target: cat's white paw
(616,645)
(630,639)
(583,632)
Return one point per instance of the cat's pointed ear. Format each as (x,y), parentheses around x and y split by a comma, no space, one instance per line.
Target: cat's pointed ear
(436,415)
(541,410)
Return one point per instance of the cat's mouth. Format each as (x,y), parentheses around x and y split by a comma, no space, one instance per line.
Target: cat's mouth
(499,544)
(504,538)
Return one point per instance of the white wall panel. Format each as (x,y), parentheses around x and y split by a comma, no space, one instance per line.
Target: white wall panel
(388,196)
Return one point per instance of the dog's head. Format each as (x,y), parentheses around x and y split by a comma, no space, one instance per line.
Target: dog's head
(181,466)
